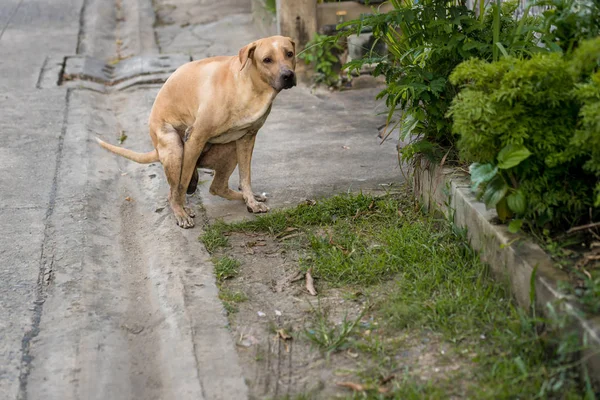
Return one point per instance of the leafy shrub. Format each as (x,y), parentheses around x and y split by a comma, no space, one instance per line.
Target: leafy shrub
(532,128)
(426,41)
(568,22)
(320,52)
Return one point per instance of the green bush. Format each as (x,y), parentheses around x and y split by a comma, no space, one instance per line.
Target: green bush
(321,53)
(569,22)
(426,41)
(532,129)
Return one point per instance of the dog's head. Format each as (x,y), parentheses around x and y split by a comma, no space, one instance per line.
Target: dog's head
(274,59)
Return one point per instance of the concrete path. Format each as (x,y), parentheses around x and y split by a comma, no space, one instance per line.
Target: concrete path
(101,295)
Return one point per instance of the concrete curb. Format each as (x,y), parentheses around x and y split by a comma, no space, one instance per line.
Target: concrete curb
(510,256)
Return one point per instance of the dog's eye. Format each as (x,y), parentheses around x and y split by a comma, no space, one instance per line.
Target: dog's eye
(290,54)
(267,60)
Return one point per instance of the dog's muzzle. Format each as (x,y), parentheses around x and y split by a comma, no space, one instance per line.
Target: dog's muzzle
(288,79)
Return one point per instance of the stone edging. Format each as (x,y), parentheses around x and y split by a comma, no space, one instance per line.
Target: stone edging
(510,256)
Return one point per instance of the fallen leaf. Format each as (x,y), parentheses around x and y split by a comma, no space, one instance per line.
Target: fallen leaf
(310,283)
(310,202)
(387,379)
(345,147)
(351,354)
(286,231)
(293,235)
(283,334)
(357,387)
(123,137)
(128,198)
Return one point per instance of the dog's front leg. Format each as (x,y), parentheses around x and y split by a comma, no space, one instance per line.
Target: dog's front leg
(244,148)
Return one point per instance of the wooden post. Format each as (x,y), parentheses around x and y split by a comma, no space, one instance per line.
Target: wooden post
(297,19)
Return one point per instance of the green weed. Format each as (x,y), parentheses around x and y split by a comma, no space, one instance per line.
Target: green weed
(214,238)
(226,268)
(231,299)
(330,338)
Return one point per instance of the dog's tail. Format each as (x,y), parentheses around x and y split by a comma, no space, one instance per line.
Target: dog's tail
(142,158)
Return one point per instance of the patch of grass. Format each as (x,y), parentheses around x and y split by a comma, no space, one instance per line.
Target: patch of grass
(327,337)
(214,237)
(326,211)
(226,268)
(232,296)
(231,299)
(424,276)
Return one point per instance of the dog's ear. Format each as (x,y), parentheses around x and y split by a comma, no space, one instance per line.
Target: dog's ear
(246,53)
(293,44)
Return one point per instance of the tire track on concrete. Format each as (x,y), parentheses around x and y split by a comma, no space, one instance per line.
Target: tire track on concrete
(46,261)
(180,273)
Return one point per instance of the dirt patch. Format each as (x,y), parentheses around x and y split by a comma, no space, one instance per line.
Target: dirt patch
(268,300)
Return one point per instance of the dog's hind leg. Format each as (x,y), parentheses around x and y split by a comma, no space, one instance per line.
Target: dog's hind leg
(170,153)
(222,159)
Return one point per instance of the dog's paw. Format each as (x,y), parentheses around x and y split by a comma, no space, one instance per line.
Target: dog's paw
(184,220)
(190,212)
(257,208)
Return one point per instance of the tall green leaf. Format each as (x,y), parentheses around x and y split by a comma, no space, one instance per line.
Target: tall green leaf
(495,191)
(512,155)
(481,173)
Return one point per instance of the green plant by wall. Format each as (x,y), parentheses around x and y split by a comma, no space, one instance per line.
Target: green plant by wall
(568,22)
(320,52)
(426,41)
(532,129)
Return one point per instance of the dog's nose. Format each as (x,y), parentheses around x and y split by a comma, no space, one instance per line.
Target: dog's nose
(289,79)
(287,75)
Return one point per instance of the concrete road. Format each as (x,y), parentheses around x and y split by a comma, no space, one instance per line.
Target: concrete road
(101,295)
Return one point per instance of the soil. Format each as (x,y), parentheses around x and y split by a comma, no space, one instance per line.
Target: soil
(272,279)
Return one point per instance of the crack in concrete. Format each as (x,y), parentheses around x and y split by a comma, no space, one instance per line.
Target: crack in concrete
(46,261)
(10,19)
(81,25)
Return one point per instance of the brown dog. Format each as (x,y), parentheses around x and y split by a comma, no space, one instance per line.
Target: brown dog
(207,115)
